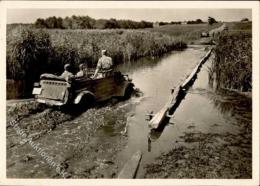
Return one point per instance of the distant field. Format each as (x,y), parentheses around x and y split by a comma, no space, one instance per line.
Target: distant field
(187,33)
(239,27)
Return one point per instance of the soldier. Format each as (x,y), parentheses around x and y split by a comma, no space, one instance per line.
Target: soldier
(67,74)
(104,65)
(82,71)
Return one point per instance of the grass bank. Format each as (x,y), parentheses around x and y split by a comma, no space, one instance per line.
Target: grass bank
(233,58)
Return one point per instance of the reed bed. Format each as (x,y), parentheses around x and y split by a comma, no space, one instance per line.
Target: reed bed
(233,61)
(31,52)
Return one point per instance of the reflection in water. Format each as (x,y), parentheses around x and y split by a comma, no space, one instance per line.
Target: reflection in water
(143,63)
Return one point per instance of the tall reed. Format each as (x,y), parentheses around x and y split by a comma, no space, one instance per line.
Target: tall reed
(233,61)
(31,52)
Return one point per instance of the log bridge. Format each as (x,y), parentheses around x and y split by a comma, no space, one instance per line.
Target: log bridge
(162,117)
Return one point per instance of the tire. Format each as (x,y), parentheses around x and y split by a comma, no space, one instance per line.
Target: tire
(86,102)
(128,92)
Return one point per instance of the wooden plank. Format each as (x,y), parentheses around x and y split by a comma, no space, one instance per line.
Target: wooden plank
(160,116)
(195,70)
(130,168)
(157,119)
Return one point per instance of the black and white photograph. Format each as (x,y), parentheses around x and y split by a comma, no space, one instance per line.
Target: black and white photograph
(130,91)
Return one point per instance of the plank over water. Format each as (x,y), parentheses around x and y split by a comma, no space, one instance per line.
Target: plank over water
(195,70)
(130,168)
(159,117)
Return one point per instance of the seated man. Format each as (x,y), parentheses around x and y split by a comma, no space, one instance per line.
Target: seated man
(104,65)
(82,71)
(67,75)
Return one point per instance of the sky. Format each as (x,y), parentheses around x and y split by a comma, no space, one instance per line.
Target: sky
(153,15)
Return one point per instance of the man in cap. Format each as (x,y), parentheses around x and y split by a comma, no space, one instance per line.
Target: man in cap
(82,71)
(67,74)
(104,65)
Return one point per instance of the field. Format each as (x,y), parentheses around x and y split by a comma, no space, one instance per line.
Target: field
(188,33)
(233,61)
(235,27)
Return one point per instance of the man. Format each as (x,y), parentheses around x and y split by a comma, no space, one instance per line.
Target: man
(104,65)
(67,75)
(82,71)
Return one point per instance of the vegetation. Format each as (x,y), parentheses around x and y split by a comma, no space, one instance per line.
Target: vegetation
(233,59)
(211,20)
(235,27)
(31,52)
(187,33)
(197,21)
(86,22)
(244,20)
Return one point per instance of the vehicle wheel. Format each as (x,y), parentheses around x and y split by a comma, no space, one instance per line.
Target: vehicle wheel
(128,92)
(86,102)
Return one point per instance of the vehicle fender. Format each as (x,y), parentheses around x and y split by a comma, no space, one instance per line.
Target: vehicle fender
(81,95)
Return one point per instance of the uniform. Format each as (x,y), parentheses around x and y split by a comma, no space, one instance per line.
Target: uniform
(104,66)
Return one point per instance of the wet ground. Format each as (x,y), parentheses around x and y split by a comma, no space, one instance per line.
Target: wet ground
(209,136)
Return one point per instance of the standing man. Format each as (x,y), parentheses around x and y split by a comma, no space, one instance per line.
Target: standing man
(104,65)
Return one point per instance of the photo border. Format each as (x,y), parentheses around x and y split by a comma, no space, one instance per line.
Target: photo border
(254,5)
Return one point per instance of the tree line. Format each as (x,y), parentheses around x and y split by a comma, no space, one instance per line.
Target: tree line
(86,22)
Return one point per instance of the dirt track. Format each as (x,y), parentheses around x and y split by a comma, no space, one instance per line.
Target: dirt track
(84,146)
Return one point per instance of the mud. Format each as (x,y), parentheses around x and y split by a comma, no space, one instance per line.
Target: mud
(84,146)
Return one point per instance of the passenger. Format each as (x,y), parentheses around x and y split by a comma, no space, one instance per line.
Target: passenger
(82,71)
(67,75)
(104,66)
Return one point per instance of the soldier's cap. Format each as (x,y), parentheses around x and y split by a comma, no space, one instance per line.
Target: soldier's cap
(103,51)
(66,66)
(81,66)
